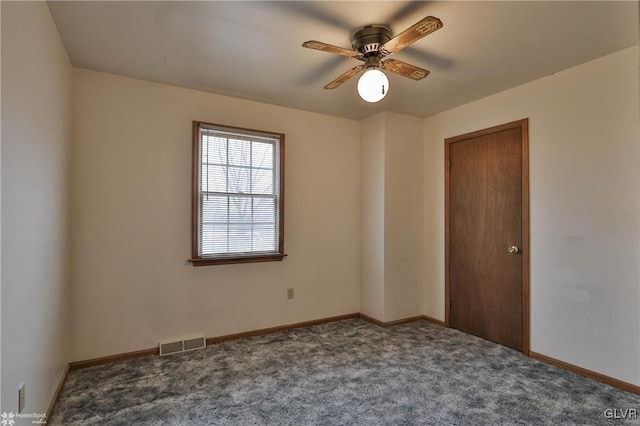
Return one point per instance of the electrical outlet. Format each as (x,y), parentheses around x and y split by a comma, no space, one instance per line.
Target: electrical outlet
(21,397)
(289,293)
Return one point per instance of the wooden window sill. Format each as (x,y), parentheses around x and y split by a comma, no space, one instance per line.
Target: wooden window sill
(203,261)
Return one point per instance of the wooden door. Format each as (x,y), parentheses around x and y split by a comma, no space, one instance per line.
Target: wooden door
(487,234)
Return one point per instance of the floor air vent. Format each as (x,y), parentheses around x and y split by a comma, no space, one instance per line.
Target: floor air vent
(169,348)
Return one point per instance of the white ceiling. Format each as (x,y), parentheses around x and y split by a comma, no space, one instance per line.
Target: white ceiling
(252,50)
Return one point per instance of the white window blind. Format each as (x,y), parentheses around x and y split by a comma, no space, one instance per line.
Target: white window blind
(239,193)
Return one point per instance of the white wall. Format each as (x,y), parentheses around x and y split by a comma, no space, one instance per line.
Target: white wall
(372,180)
(391,218)
(585,224)
(403,217)
(36,130)
(131,219)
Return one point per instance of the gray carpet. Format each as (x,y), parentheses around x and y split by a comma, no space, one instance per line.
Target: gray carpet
(343,373)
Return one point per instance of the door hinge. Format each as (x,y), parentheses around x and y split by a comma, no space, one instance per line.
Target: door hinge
(449,165)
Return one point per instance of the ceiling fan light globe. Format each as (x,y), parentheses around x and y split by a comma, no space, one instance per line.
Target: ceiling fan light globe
(373,85)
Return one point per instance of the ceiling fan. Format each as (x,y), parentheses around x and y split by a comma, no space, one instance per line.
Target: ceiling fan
(371,44)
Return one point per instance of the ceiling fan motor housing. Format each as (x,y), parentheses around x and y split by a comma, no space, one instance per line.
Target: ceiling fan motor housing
(368,39)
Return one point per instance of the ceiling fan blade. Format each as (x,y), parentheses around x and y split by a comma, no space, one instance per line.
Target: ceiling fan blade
(329,48)
(344,77)
(412,34)
(404,69)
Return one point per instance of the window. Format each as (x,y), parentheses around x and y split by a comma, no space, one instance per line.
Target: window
(238,202)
